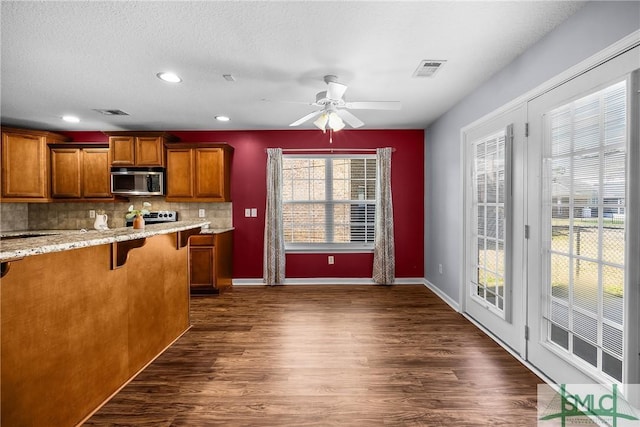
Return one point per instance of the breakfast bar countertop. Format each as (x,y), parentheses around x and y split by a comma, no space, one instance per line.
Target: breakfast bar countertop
(215,230)
(38,242)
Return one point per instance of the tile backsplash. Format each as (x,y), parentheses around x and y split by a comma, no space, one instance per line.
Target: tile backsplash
(14,216)
(74,216)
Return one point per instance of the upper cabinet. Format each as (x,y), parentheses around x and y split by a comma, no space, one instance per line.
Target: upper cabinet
(25,164)
(138,148)
(80,171)
(198,172)
(96,180)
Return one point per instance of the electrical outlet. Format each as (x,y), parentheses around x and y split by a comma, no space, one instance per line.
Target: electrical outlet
(201,213)
(440,268)
(92,213)
(330,260)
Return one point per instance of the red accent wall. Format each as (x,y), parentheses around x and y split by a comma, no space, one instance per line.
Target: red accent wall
(248,190)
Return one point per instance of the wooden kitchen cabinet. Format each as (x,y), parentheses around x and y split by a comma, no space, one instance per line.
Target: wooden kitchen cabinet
(66,172)
(80,172)
(26,164)
(179,174)
(199,172)
(96,180)
(122,150)
(138,148)
(210,262)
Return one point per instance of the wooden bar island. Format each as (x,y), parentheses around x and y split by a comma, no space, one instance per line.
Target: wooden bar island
(83,313)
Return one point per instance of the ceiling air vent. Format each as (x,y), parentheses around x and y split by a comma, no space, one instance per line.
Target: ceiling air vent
(111,112)
(428,68)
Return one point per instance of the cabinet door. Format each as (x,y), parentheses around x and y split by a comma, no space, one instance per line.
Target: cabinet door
(202,263)
(24,166)
(149,151)
(209,174)
(179,173)
(95,172)
(201,267)
(122,150)
(65,172)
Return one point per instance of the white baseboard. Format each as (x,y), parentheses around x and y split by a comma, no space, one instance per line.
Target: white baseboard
(330,281)
(444,297)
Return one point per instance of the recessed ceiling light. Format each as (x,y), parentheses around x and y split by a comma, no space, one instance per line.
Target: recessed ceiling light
(71,119)
(169,77)
(222,118)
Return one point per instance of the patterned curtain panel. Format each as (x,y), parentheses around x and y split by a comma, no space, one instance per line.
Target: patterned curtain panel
(384,259)
(274,257)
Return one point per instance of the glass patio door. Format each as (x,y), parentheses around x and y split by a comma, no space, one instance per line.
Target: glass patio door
(583,213)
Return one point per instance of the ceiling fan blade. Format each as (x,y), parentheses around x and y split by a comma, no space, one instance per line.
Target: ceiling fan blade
(307,117)
(288,102)
(352,120)
(373,105)
(335,91)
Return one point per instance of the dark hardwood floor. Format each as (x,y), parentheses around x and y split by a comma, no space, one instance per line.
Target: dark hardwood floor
(327,356)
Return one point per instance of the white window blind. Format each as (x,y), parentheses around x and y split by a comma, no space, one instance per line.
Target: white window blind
(489,202)
(329,202)
(585,203)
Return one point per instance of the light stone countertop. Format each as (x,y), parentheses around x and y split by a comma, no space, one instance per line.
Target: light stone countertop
(215,230)
(63,240)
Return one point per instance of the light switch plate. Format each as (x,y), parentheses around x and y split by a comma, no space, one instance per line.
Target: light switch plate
(247,213)
(254,212)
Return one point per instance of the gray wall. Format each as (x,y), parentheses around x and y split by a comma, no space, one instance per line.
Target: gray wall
(593,28)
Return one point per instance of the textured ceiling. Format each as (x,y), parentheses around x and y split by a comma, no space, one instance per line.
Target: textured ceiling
(71,57)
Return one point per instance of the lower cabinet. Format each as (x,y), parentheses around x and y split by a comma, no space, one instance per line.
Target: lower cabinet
(210,262)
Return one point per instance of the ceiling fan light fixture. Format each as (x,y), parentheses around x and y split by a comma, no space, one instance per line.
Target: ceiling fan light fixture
(333,109)
(335,122)
(321,122)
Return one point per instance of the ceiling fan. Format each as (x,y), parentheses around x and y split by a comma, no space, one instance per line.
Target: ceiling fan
(334,109)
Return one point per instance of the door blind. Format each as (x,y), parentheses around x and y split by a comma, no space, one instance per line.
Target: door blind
(584,199)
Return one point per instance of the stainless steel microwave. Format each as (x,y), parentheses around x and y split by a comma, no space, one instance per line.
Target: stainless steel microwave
(137,181)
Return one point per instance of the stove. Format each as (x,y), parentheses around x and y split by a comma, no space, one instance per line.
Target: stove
(157,217)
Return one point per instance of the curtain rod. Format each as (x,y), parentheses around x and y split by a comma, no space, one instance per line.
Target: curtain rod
(330,150)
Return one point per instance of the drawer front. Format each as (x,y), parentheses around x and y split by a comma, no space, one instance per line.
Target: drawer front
(202,240)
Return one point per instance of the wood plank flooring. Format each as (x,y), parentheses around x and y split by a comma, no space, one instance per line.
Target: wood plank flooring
(327,356)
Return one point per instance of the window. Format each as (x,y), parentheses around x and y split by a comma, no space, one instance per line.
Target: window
(490,190)
(329,202)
